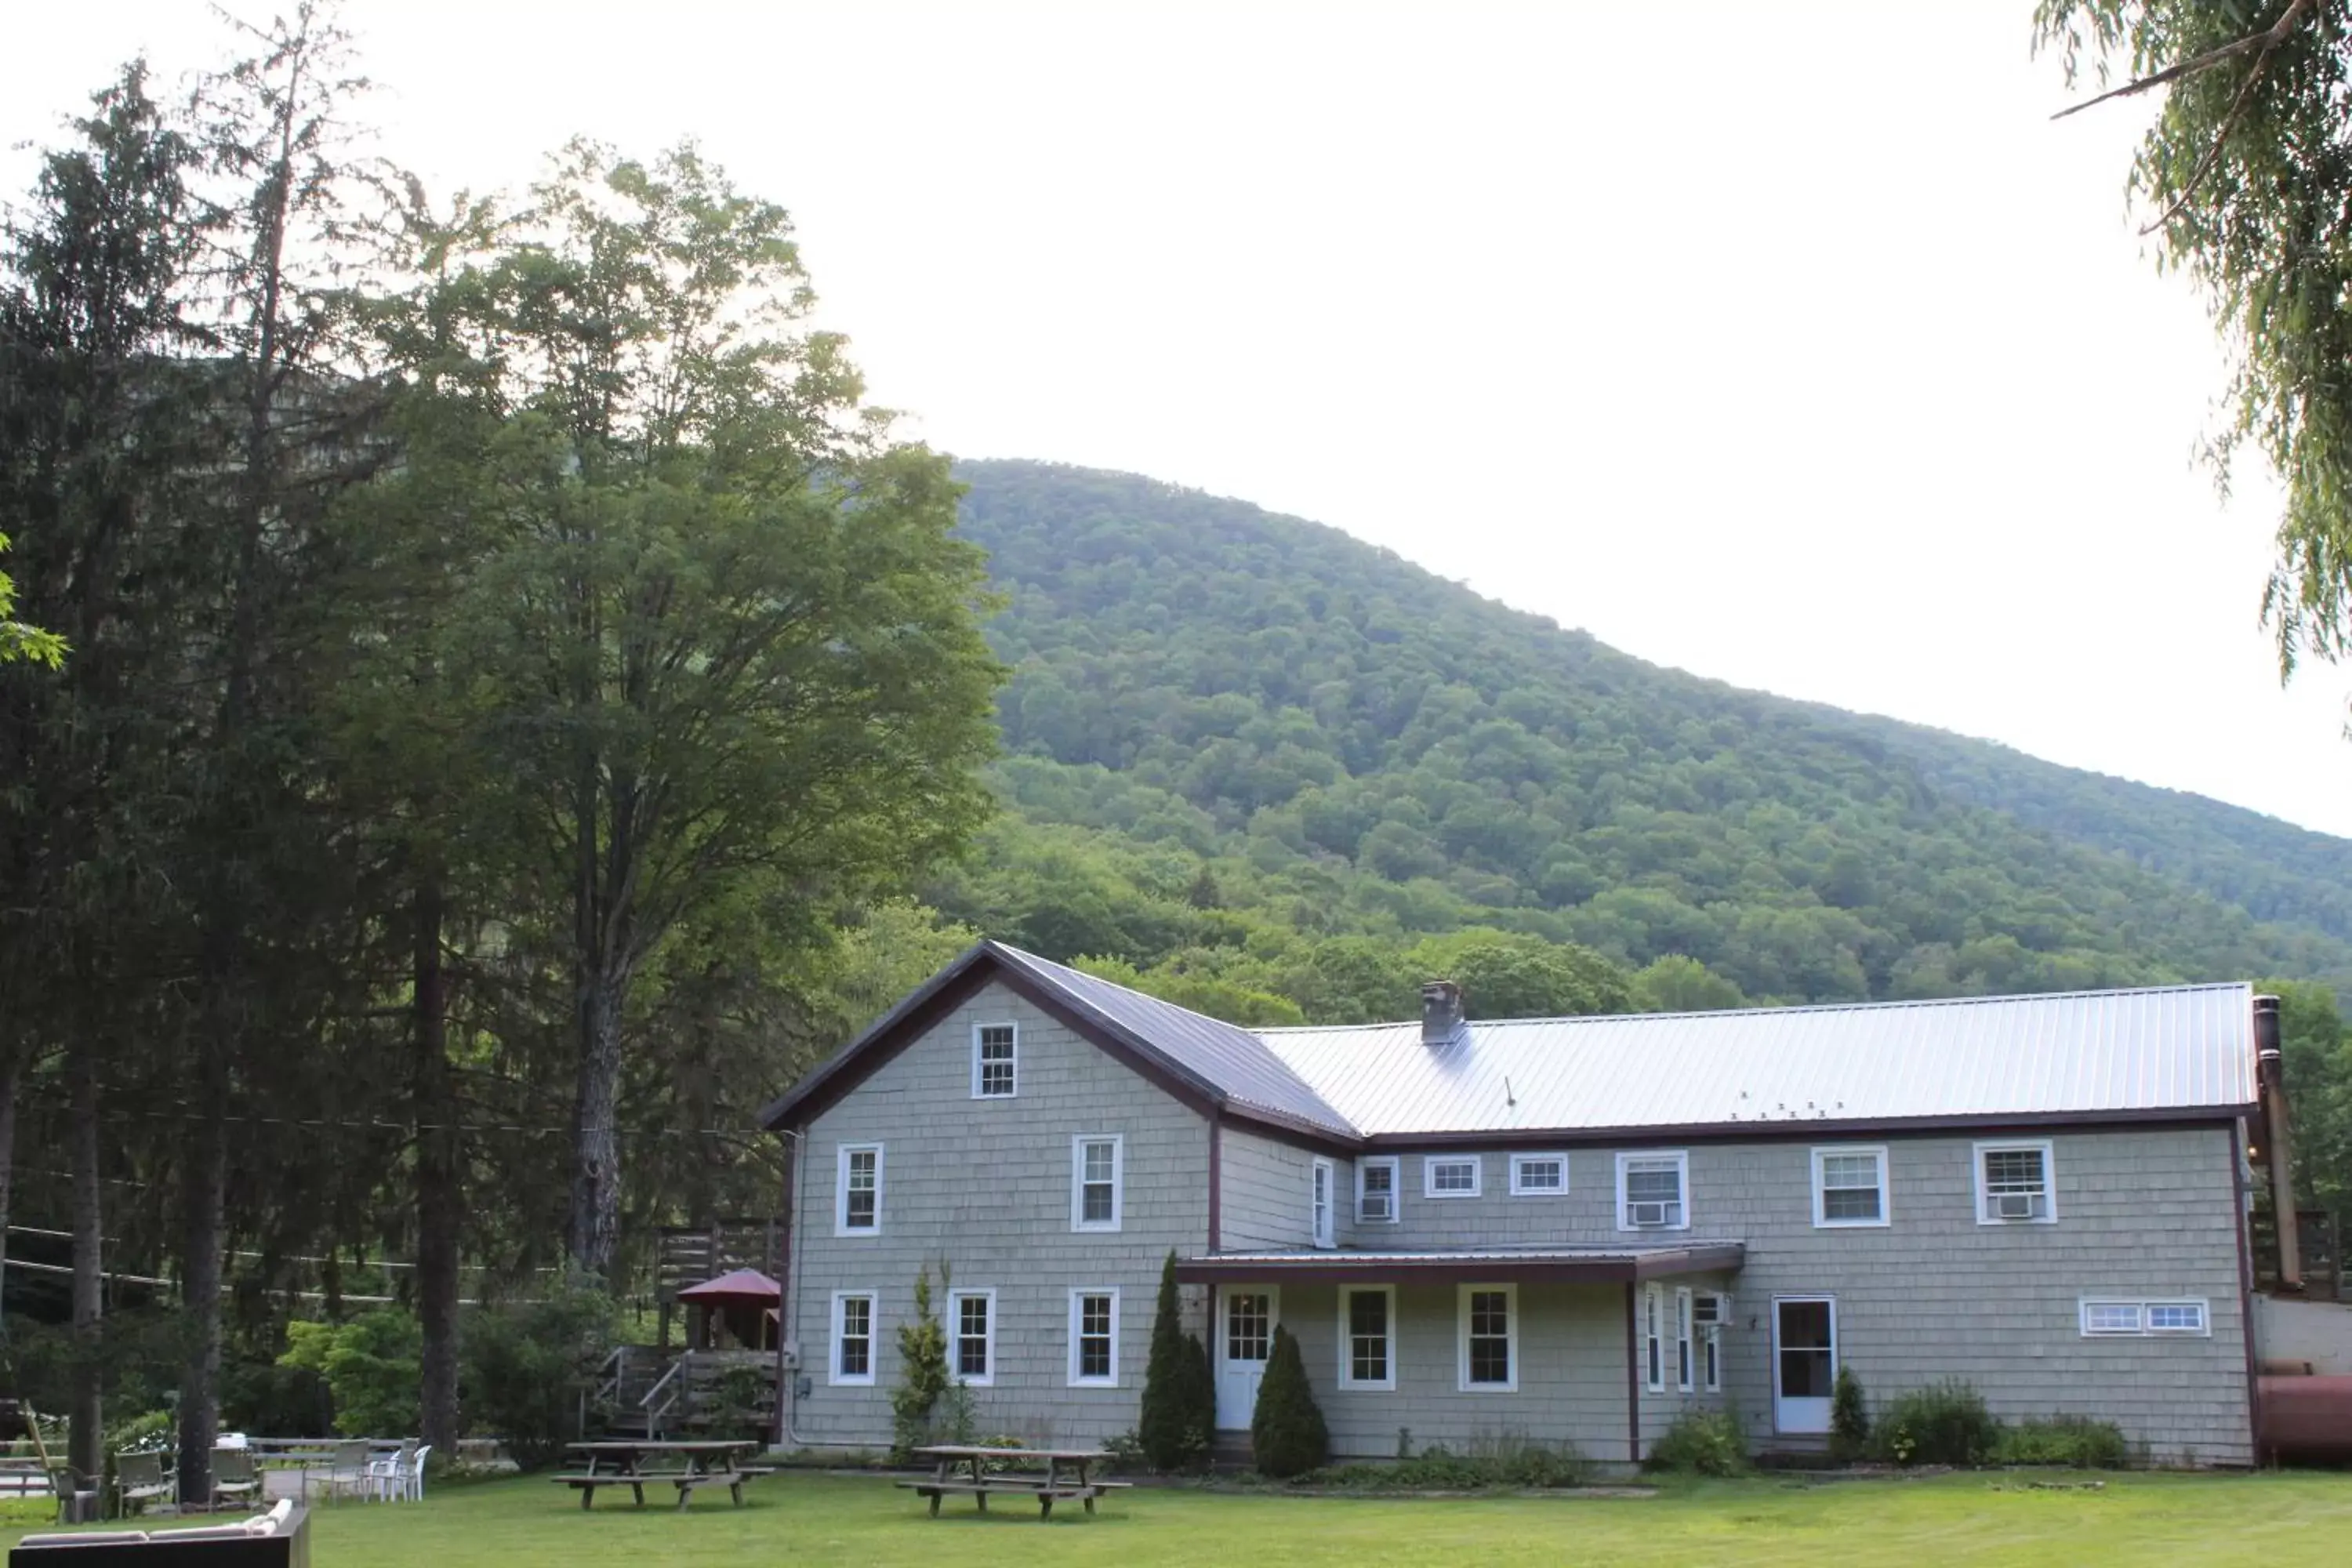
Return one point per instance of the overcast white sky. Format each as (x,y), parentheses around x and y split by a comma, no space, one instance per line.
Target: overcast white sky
(1788,344)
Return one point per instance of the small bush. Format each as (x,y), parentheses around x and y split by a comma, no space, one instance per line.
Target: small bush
(2076,1440)
(1288,1435)
(524,1368)
(1516,1464)
(371,1364)
(1849,1418)
(1701,1443)
(1943,1424)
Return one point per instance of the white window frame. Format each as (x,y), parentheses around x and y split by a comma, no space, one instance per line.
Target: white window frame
(1323,1216)
(836,1378)
(840,1226)
(1348,1340)
(1820,1158)
(1977,1153)
(1654,1338)
(1428,1164)
(956,1298)
(979,1029)
(1710,1338)
(2141,1311)
(1681,1157)
(1685,1343)
(1519,1189)
(1079,1221)
(1462,1338)
(1396,1187)
(1077,1301)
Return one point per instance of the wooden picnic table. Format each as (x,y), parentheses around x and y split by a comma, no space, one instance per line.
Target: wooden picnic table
(1065,1476)
(632,1462)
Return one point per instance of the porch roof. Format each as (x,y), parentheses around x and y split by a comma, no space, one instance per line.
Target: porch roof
(1502,1265)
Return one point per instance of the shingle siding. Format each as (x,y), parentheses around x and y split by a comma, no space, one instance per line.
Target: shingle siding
(1267,1191)
(983,1186)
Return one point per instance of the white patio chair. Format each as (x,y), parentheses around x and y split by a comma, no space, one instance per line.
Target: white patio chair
(387,1473)
(412,1482)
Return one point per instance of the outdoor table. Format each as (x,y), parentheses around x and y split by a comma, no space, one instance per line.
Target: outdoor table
(623,1462)
(1065,1476)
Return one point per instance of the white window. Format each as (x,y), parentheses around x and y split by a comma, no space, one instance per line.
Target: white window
(2107,1317)
(1651,1190)
(1376,1191)
(1685,1368)
(1325,1180)
(971,1325)
(1094,1337)
(1653,1339)
(1534,1175)
(852,1337)
(2015,1183)
(1710,1312)
(857,1195)
(1849,1187)
(995,1061)
(1097,1167)
(1490,1339)
(1450,1176)
(1368,1336)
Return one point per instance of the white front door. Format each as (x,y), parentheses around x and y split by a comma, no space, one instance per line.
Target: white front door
(1804,1361)
(1245,1320)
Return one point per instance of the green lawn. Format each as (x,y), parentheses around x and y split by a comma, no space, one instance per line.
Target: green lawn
(2262,1519)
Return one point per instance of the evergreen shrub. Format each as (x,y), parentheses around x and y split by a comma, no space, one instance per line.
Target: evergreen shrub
(1849,1418)
(1287,1435)
(1180,1401)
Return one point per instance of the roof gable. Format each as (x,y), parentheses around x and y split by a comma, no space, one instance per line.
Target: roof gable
(1210,1065)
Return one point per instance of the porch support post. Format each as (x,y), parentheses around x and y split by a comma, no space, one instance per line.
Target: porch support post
(1633,1381)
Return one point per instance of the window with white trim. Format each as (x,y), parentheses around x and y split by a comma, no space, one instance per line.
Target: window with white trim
(1097,1161)
(857,1192)
(1539,1175)
(1322,1182)
(1094,1337)
(972,1322)
(2102,1317)
(1376,1191)
(1710,1310)
(853,1338)
(1849,1187)
(1368,1336)
(1490,1338)
(1686,1367)
(1654,1339)
(1450,1176)
(1653,1191)
(2016,1184)
(995,1061)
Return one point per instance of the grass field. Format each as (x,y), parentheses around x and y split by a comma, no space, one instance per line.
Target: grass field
(2264,1519)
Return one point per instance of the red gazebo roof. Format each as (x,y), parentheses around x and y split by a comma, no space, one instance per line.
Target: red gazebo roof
(747,1285)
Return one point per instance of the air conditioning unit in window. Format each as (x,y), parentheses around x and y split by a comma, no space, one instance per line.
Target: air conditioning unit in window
(1652,1214)
(2013,1205)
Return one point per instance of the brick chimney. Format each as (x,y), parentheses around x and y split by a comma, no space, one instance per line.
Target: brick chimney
(1441,1012)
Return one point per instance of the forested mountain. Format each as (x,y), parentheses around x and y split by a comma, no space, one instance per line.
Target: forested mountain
(1233,737)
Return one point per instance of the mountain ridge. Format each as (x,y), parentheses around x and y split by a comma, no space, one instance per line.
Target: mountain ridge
(1323,720)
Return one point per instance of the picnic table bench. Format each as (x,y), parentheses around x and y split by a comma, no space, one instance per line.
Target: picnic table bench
(1065,1478)
(636,1463)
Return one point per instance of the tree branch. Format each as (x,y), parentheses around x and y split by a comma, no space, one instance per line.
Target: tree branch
(2266,40)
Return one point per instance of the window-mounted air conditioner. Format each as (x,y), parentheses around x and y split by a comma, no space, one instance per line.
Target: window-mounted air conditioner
(2013,1205)
(1653,1213)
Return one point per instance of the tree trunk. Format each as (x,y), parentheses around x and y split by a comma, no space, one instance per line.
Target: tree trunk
(439,1210)
(7,1174)
(83,1436)
(596,1146)
(203,1202)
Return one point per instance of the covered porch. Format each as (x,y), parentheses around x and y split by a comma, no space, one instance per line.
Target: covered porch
(1600,1347)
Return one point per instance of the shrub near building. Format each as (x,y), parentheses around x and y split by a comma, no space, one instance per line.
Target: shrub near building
(1288,1435)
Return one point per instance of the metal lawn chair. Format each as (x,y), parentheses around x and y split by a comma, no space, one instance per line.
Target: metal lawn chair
(347,1469)
(235,1478)
(137,1478)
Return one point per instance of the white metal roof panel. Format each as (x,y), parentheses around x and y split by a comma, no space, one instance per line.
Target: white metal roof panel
(2095,1053)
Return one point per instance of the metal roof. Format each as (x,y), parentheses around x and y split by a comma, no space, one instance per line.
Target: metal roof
(1497,1263)
(2091,1053)
(1228,1057)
